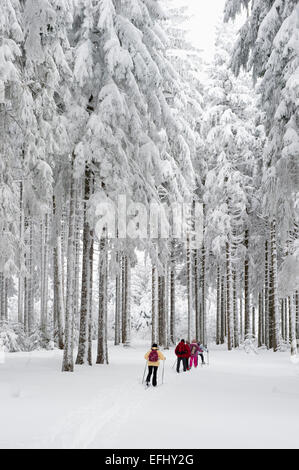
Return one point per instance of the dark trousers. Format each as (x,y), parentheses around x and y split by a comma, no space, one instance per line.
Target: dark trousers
(185,363)
(202,358)
(152,369)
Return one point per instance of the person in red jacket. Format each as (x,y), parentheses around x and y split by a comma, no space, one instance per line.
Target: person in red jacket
(182,352)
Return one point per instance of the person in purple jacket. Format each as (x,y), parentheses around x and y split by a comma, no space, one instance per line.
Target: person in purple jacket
(194,353)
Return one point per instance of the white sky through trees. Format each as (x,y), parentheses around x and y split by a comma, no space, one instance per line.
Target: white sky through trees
(205,16)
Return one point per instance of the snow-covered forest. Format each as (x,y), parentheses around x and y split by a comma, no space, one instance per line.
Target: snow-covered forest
(109,104)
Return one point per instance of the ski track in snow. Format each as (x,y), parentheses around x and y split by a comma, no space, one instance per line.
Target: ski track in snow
(240,400)
(81,427)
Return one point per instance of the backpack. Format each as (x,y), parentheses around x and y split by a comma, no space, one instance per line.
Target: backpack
(193,350)
(153,356)
(181,350)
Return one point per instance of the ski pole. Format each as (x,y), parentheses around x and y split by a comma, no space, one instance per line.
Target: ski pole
(144,371)
(175,361)
(163,373)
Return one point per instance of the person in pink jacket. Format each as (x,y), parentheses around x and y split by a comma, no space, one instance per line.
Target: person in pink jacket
(194,353)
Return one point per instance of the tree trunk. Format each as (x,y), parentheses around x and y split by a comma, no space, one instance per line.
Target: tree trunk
(297,313)
(82,356)
(154,305)
(222,311)
(203,326)
(166,307)
(102,353)
(68,360)
(282,318)
(117,302)
(77,258)
(189,288)
(274,308)
(260,321)
(197,298)
(267,323)
(90,316)
(286,323)
(235,310)
(218,311)
(20,278)
(172,295)
(161,309)
(292,327)
(31,318)
(230,324)
(241,316)
(246,288)
(253,322)
(123,299)
(127,301)
(44,274)
(2,297)
(57,280)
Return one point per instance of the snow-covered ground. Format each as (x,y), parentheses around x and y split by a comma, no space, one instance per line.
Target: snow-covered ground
(240,401)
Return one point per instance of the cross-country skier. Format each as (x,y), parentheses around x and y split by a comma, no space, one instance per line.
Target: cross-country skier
(202,349)
(153,358)
(194,349)
(183,353)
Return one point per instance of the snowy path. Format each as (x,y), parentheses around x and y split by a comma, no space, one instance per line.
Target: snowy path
(239,401)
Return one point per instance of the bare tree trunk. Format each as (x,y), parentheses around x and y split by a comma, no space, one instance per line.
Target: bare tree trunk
(57,280)
(286,323)
(172,295)
(292,327)
(31,318)
(273,290)
(82,356)
(161,306)
(90,316)
(263,317)
(64,247)
(117,302)
(127,302)
(154,305)
(297,313)
(260,320)
(44,274)
(102,353)
(267,321)
(203,326)
(253,322)
(230,324)
(235,310)
(282,318)
(21,278)
(222,311)
(6,299)
(241,316)
(189,288)
(60,296)
(246,288)
(2,297)
(197,298)
(68,360)
(218,311)
(123,299)
(77,257)
(166,307)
